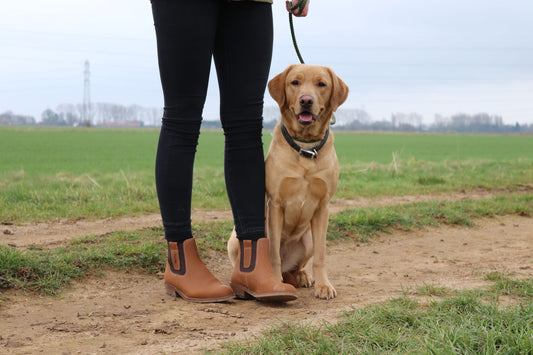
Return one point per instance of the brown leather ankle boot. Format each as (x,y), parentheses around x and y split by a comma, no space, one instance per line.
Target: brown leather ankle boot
(253,277)
(187,276)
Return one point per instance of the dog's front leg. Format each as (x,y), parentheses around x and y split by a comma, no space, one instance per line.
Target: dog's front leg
(319,228)
(275,225)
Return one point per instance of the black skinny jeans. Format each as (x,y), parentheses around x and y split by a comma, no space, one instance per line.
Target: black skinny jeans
(238,35)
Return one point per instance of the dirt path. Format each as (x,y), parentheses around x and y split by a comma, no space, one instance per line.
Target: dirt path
(129,313)
(61,232)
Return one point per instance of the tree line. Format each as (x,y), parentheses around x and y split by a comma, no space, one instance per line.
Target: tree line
(115,115)
(360,120)
(99,114)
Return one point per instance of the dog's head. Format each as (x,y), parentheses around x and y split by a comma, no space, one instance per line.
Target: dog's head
(307,96)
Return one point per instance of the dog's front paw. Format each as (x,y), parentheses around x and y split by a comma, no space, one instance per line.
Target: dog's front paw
(325,292)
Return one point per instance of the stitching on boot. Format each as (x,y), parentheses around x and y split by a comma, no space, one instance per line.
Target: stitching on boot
(252,261)
(181,255)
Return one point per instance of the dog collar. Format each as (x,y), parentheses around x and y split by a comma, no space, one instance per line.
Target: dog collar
(306,153)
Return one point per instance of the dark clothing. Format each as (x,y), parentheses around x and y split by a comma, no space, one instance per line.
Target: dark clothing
(238,35)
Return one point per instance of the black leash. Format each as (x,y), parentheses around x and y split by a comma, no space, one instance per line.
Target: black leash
(300,5)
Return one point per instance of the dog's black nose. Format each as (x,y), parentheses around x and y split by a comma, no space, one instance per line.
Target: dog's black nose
(306,101)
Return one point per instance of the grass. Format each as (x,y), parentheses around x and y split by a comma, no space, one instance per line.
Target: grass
(461,324)
(433,291)
(65,173)
(414,177)
(378,147)
(367,222)
(504,285)
(464,322)
(49,270)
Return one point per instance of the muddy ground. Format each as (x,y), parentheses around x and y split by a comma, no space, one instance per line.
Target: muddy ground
(130,313)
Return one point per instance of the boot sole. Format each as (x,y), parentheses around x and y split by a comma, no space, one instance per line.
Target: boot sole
(174,292)
(244,293)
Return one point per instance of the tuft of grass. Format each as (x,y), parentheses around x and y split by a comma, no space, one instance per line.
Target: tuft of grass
(433,290)
(36,272)
(430,180)
(212,235)
(506,286)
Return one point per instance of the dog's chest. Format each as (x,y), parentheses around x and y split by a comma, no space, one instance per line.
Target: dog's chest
(300,197)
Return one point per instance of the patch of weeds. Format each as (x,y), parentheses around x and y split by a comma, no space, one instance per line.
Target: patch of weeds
(433,291)
(36,271)
(361,224)
(503,284)
(212,235)
(430,180)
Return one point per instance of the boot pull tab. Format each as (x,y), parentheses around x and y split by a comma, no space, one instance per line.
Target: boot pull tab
(248,255)
(176,257)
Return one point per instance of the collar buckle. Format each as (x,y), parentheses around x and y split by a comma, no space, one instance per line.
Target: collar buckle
(308,153)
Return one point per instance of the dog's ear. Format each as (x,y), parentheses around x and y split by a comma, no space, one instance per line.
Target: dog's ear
(276,86)
(339,92)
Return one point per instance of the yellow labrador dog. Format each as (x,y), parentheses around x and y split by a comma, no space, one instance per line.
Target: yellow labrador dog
(301,174)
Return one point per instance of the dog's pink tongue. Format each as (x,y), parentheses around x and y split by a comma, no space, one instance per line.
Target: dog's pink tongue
(306,117)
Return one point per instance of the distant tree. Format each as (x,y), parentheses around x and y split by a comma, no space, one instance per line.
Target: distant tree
(8,118)
(476,123)
(350,118)
(5,118)
(69,113)
(406,122)
(21,120)
(51,118)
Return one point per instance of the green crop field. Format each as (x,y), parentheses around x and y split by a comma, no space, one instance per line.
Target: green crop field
(57,173)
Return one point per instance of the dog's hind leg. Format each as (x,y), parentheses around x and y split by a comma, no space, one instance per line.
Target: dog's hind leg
(275,225)
(294,260)
(298,278)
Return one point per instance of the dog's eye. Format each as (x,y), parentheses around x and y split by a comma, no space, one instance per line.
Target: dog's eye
(321,84)
(295,82)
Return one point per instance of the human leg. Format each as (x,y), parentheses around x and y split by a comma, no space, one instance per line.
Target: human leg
(242,56)
(184,61)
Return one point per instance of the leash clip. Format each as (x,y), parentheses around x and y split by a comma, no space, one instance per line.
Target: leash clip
(308,153)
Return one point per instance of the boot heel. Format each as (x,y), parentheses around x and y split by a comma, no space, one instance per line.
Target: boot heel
(240,292)
(171,290)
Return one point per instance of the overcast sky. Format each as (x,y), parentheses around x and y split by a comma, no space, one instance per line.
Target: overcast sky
(430,57)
